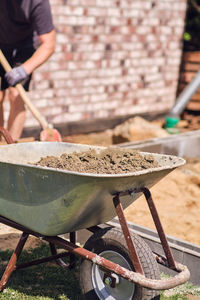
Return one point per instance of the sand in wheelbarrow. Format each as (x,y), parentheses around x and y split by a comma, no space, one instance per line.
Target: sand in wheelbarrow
(108,161)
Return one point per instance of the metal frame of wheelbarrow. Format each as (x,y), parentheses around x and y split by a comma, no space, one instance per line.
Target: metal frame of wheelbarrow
(110,268)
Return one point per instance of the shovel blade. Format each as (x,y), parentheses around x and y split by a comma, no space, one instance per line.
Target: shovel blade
(50,135)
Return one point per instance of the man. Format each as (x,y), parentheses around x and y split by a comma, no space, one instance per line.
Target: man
(23,23)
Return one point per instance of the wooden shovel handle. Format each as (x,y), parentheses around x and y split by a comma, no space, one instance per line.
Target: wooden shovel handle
(24,95)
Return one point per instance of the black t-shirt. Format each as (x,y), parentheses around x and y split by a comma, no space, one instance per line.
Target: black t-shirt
(21,20)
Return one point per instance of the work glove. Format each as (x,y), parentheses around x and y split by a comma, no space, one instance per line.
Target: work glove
(16,75)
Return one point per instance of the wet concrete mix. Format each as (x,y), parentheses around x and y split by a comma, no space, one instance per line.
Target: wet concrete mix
(107,161)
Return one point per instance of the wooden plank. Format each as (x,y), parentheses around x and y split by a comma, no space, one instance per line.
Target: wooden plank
(22,140)
(26,140)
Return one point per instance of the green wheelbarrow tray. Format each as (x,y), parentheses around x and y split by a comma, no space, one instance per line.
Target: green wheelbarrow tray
(52,201)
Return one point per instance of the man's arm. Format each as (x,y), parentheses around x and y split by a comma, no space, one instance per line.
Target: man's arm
(44,51)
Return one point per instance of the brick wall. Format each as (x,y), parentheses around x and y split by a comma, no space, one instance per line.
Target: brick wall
(190,66)
(113,58)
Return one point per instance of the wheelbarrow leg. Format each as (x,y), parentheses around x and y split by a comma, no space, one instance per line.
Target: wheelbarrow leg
(127,235)
(12,262)
(72,257)
(157,222)
(159,228)
(59,261)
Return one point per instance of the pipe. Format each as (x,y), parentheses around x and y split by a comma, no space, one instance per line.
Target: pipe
(185,96)
(173,117)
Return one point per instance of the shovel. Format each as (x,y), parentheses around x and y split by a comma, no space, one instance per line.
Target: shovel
(48,133)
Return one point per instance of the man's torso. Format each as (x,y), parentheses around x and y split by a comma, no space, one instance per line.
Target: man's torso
(20,18)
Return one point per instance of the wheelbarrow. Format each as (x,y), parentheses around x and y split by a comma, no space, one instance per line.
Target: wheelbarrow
(47,203)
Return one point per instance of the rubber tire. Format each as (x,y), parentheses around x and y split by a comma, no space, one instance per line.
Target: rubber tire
(113,239)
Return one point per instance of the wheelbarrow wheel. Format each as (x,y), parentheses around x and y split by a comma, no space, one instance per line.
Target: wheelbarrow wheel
(110,244)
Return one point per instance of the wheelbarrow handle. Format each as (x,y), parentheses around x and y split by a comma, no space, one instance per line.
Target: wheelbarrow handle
(43,122)
(6,135)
